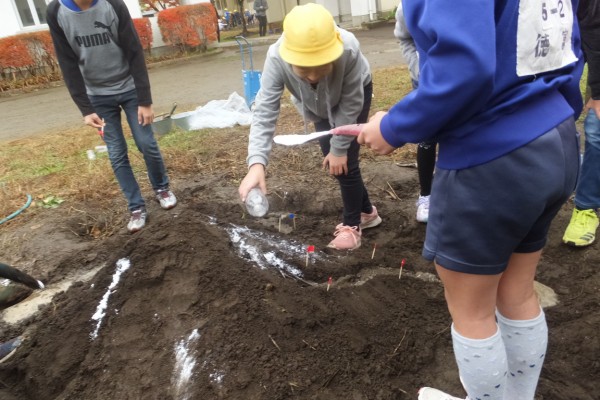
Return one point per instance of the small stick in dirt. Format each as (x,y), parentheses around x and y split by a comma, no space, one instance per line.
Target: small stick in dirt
(401,267)
(329,281)
(293,217)
(306,343)
(401,340)
(274,342)
(243,210)
(374,247)
(280,217)
(442,331)
(328,380)
(407,165)
(309,249)
(283,274)
(393,191)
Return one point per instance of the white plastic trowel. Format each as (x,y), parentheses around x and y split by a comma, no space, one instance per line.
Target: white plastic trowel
(294,140)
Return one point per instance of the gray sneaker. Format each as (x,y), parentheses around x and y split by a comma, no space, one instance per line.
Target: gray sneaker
(166,198)
(137,220)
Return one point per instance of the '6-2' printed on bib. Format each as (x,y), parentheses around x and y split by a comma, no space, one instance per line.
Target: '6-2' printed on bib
(544,36)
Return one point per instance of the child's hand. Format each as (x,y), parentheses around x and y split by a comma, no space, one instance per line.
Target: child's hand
(371,137)
(593,105)
(255,177)
(337,165)
(93,120)
(145,115)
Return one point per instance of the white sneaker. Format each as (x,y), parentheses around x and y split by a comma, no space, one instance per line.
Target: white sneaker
(423,209)
(137,220)
(427,393)
(166,198)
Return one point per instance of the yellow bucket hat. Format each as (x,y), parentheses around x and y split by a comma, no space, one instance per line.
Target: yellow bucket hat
(310,37)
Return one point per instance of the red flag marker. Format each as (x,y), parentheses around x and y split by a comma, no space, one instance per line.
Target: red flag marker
(329,281)
(101,129)
(401,266)
(309,249)
(374,247)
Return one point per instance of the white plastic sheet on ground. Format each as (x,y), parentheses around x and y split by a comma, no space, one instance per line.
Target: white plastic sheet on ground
(216,114)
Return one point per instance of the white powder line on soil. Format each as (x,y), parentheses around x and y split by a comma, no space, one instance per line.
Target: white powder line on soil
(185,361)
(122,265)
(266,250)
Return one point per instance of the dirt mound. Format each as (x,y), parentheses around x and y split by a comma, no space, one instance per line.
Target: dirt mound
(208,303)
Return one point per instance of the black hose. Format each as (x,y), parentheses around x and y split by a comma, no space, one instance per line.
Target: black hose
(15,275)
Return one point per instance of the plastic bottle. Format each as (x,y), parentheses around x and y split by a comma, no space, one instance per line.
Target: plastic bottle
(257,203)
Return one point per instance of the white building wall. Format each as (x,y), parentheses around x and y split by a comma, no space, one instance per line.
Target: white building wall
(9,20)
(388,5)
(157,40)
(9,17)
(364,8)
(370,10)
(332,6)
(134,8)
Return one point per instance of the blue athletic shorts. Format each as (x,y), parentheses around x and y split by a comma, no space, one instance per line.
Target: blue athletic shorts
(479,216)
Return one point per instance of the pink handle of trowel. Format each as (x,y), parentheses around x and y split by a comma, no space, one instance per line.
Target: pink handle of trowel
(347,130)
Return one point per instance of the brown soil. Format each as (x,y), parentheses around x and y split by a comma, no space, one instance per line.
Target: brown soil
(263,333)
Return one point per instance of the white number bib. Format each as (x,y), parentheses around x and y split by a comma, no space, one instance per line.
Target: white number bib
(544,36)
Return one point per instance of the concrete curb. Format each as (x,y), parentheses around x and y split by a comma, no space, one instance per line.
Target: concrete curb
(255,42)
(213,52)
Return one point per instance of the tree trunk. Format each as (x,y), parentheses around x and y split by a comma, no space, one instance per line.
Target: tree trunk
(240,4)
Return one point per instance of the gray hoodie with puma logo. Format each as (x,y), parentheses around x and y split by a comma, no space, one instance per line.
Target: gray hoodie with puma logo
(99,51)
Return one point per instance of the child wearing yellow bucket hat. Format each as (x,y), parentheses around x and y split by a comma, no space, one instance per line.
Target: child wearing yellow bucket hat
(330,83)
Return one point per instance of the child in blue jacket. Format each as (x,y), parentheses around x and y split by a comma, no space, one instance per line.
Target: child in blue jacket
(499,92)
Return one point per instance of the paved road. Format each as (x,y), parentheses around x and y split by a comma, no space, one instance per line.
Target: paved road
(190,83)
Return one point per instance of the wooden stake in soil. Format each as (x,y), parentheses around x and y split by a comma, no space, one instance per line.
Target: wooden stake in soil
(329,281)
(374,247)
(293,217)
(401,266)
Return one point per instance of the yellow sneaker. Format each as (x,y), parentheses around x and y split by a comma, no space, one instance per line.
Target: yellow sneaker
(582,228)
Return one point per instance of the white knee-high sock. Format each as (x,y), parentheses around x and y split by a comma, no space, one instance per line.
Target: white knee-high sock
(482,365)
(526,342)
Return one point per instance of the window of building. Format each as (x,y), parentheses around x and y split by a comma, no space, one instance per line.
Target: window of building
(31,12)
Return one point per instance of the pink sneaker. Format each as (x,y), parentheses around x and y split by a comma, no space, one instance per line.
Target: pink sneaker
(346,238)
(369,220)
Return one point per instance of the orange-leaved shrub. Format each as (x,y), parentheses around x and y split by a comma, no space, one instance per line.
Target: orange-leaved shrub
(190,26)
(144,31)
(28,54)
